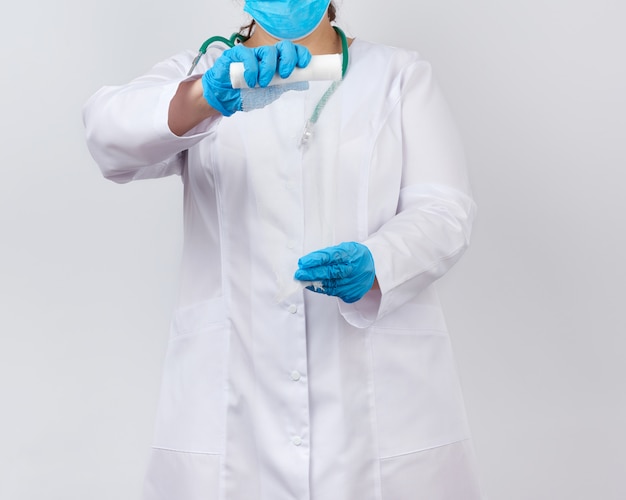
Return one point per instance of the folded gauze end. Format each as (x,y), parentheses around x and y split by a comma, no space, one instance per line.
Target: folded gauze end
(324,67)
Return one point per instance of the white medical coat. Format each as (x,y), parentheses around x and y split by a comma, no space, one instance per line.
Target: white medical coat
(271,392)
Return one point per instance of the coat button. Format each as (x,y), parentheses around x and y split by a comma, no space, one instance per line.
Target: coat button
(293,309)
(296,440)
(295,375)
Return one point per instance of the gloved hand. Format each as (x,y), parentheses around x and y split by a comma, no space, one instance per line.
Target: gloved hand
(345,270)
(260,63)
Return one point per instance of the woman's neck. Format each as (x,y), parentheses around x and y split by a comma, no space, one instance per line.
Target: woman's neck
(324,40)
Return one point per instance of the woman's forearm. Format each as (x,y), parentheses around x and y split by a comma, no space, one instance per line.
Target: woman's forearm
(188,107)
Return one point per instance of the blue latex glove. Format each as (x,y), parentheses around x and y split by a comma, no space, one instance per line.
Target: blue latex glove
(345,270)
(260,63)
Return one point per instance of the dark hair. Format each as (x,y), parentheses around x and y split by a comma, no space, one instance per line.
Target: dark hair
(248,28)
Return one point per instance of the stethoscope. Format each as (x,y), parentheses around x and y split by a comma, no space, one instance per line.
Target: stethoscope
(239,38)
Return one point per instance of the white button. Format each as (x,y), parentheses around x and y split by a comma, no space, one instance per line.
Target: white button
(295,375)
(296,440)
(291,245)
(293,309)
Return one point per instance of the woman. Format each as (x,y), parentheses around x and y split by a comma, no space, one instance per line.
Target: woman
(345,389)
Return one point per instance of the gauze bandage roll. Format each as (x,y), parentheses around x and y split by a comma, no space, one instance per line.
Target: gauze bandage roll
(324,67)
(286,290)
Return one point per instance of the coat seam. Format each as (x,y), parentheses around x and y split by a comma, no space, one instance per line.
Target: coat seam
(364,204)
(391,457)
(225,276)
(374,419)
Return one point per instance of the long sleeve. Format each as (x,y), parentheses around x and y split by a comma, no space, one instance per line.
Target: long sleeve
(432,226)
(127,126)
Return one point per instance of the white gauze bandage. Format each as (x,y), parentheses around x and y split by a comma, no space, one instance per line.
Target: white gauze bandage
(322,67)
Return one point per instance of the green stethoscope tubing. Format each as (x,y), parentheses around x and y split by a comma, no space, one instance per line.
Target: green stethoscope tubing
(239,38)
(329,92)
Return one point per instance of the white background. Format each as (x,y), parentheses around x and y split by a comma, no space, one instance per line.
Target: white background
(88,269)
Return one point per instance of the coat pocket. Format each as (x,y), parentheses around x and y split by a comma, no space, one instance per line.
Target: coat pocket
(418,399)
(442,473)
(191,411)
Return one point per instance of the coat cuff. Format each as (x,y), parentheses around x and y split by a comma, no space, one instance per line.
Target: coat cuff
(364,312)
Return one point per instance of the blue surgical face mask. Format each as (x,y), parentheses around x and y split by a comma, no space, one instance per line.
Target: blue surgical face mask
(287,19)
